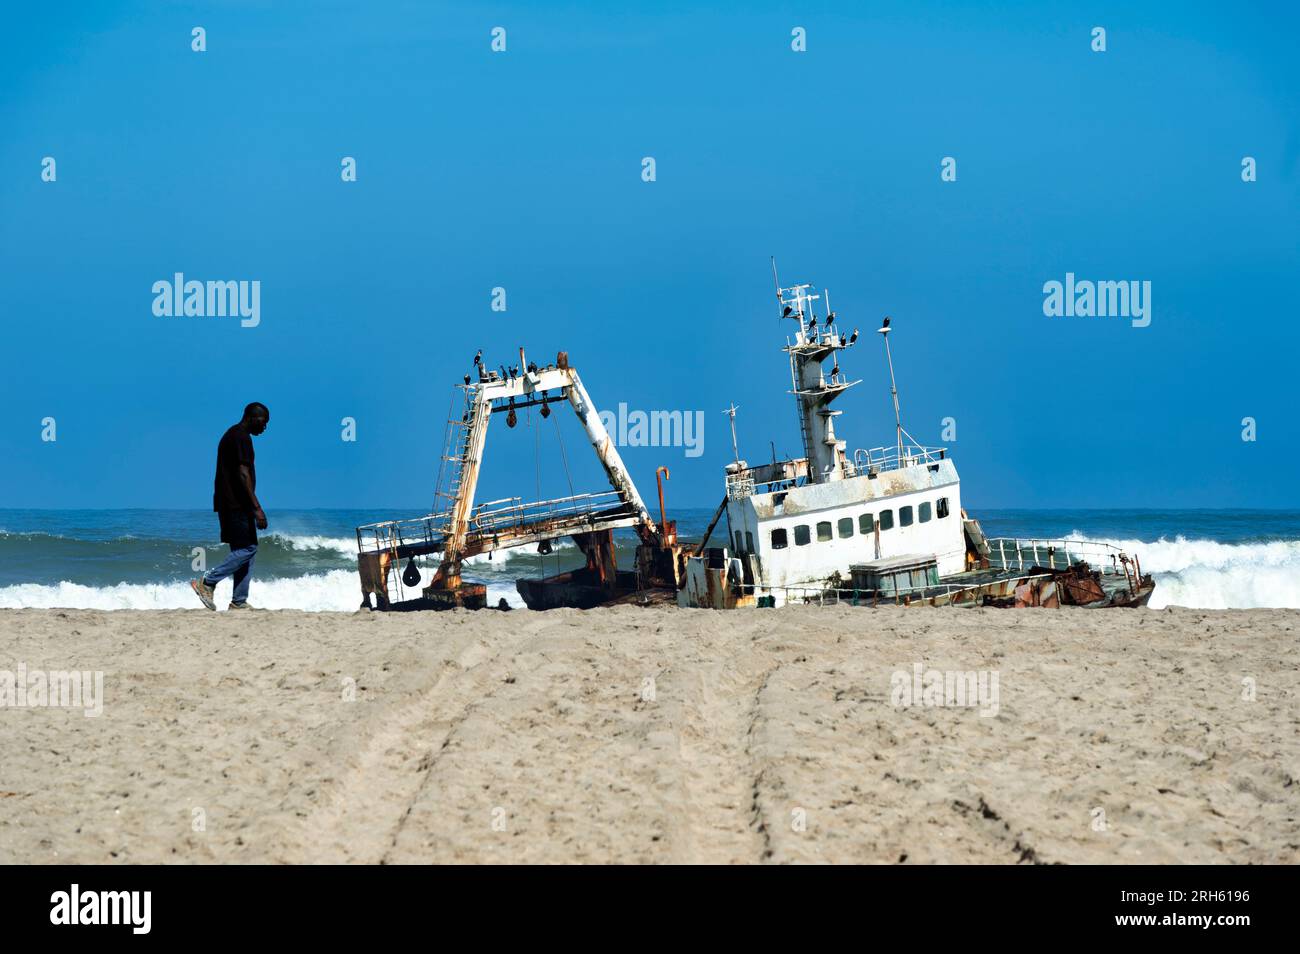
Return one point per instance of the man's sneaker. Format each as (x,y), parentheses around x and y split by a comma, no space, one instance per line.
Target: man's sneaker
(204,592)
(240,606)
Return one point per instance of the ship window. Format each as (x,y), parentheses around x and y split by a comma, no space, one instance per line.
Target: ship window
(749,542)
(824,531)
(886,519)
(846,527)
(865,524)
(923,512)
(942,507)
(801,535)
(739,548)
(904,516)
(778,539)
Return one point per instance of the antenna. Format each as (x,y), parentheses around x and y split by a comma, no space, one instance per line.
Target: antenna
(893,388)
(731,411)
(777,282)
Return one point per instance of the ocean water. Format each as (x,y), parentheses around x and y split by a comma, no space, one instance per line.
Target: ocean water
(142,559)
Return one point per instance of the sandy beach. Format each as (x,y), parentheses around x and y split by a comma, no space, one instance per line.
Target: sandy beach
(664,735)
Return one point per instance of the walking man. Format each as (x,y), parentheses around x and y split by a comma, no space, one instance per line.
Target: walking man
(234,498)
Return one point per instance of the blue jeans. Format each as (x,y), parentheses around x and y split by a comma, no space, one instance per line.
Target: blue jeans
(239,565)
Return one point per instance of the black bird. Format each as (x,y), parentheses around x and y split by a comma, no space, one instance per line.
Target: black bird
(532,367)
(478,358)
(467,379)
(853,337)
(843,341)
(886,324)
(503,372)
(786,313)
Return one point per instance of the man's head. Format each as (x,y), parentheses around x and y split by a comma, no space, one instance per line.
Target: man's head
(256,417)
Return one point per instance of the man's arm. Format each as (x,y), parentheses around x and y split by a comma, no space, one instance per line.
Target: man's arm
(246,478)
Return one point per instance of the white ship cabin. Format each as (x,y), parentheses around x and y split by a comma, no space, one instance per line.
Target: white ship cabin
(791,535)
(797,526)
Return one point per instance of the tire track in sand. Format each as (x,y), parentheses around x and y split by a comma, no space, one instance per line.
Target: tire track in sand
(714,804)
(365,811)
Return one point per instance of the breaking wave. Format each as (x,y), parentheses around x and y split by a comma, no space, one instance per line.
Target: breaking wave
(1206,574)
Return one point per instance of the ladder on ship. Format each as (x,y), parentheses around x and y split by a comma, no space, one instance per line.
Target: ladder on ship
(457,443)
(808,451)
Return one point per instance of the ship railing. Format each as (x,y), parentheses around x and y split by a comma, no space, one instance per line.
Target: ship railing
(415,536)
(511,513)
(1007,553)
(408,537)
(945,593)
(877,460)
(741,485)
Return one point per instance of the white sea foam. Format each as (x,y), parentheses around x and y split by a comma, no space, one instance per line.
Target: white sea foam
(1207,574)
(337,590)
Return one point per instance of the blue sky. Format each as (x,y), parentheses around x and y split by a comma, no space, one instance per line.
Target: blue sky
(522,170)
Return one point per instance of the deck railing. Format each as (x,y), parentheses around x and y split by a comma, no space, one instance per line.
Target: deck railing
(880,459)
(741,485)
(424,535)
(876,460)
(491,517)
(1006,553)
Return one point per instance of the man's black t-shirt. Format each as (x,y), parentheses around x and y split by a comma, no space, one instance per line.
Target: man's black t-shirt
(228,492)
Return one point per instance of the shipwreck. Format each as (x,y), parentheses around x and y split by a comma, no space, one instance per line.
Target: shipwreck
(879,525)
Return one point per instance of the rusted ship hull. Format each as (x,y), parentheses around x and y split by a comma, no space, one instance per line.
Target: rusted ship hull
(577,590)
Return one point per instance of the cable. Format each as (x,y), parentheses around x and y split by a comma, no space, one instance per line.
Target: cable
(563,457)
